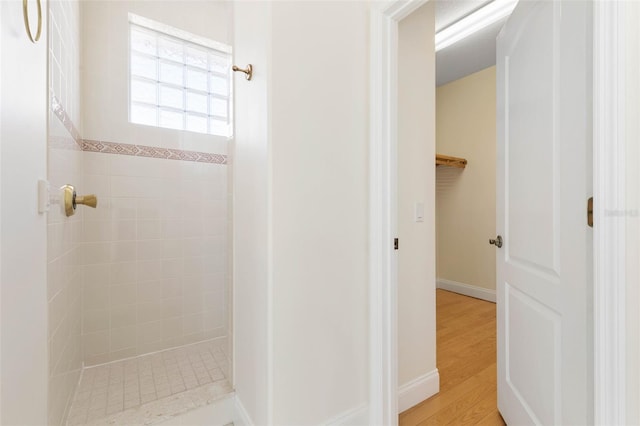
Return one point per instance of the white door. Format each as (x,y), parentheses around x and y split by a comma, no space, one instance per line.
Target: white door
(544,275)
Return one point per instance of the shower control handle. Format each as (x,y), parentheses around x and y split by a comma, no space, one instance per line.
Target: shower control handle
(497,242)
(87,200)
(71,200)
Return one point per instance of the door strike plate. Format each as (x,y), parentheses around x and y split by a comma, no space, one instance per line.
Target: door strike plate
(590,212)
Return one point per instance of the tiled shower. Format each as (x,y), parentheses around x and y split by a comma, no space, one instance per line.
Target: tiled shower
(138,288)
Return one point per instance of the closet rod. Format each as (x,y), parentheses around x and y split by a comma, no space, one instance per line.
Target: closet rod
(445,160)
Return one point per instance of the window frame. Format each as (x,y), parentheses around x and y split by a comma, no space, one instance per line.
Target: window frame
(160,32)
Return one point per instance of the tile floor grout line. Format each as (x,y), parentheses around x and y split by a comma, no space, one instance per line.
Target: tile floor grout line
(214,340)
(105,388)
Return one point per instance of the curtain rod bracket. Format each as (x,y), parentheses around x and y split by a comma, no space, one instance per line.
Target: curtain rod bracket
(248,71)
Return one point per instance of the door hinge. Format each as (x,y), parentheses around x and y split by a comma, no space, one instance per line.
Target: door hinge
(590,212)
(395,244)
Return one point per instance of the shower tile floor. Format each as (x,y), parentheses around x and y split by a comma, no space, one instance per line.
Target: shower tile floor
(152,388)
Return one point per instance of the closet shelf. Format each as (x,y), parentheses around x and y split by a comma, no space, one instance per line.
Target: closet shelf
(445,160)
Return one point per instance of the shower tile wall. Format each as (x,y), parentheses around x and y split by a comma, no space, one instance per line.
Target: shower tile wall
(155,249)
(63,234)
(155,255)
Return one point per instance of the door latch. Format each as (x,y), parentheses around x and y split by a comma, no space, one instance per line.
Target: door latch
(395,244)
(590,212)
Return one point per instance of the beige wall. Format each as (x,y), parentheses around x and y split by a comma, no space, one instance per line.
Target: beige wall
(466,198)
(416,174)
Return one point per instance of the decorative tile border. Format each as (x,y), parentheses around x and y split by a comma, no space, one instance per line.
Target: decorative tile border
(152,152)
(64,118)
(123,148)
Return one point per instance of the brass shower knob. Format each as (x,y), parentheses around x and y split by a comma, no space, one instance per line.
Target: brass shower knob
(71,200)
(88,200)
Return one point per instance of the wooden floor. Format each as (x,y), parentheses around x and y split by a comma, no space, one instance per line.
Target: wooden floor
(466,360)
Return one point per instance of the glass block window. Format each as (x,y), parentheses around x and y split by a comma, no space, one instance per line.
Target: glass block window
(178,80)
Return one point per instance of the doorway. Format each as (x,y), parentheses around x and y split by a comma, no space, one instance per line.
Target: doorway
(383,277)
(465,219)
(465,261)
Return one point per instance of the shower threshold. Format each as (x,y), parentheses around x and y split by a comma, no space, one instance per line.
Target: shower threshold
(153,388)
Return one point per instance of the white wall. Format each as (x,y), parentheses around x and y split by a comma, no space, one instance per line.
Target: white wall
(319,177)
(64,279)
(632,43)
(23,242)
(300,197)
(251,220)
(416,183)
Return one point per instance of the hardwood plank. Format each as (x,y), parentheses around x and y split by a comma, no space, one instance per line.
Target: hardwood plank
(487,405)
(466,360)
(492,419)
(445,398)
(457,376)
(453,411)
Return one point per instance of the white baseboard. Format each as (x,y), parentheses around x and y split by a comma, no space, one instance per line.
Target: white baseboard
(358,416)
(418,390)
(240,415)
(467,290)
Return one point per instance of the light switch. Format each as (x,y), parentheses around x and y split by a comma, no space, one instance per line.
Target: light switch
(419,212)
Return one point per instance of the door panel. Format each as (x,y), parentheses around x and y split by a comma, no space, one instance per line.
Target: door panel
(543,182)
(532,200)
(533,342)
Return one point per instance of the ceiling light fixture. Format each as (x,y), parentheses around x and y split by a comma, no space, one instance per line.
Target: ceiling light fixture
(470,24)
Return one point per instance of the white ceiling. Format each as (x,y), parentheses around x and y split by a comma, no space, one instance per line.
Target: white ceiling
(471,54)
(450,11)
